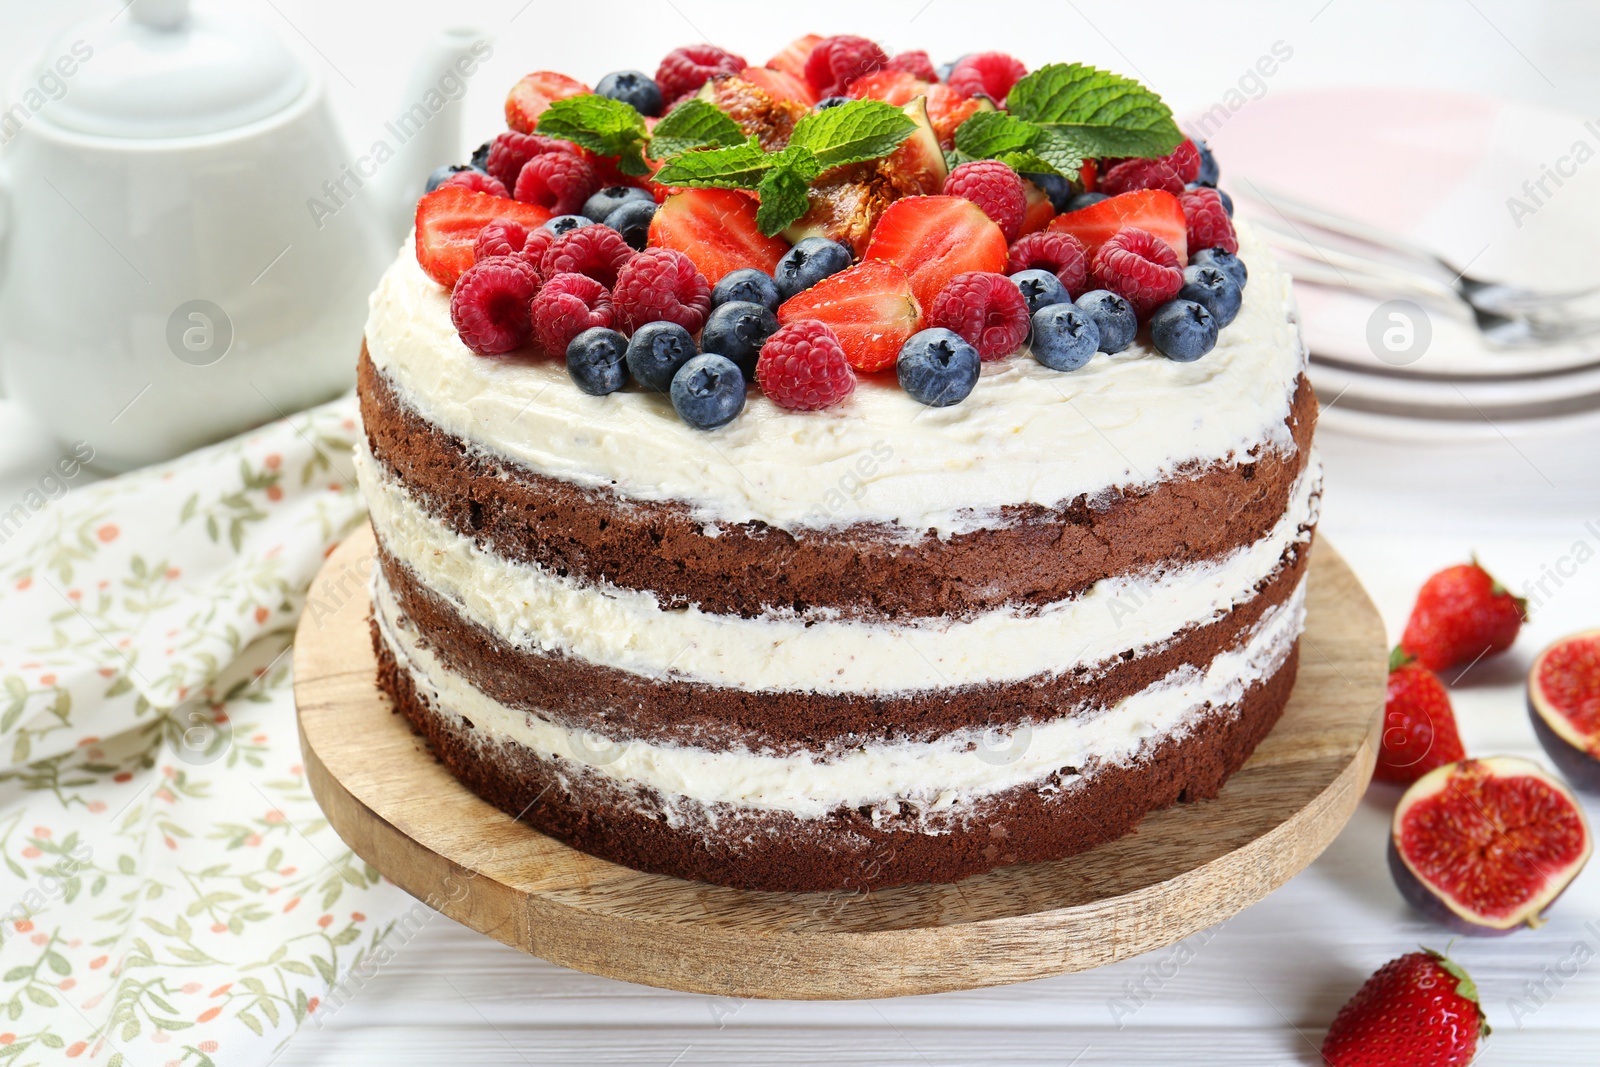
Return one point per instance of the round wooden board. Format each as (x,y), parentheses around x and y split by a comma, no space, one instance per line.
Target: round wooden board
(1186,868)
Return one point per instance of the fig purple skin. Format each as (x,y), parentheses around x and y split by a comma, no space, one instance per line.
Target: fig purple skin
(1422,898)
(1579,768)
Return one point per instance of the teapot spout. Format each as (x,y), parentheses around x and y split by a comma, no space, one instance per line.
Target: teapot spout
(427,125)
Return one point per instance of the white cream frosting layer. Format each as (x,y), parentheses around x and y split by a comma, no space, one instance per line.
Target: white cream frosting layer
(533,608)
(939,778)
(1026,435)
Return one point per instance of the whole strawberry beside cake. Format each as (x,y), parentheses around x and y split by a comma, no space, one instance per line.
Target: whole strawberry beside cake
(840,472)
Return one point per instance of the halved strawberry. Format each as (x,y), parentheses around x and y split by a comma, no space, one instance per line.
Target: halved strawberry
(780,85)
(934,238)
(1040,210)
(1152,210)
(716,228)
(948,110)
(870,307)
(896,87)
(530,96)
(1089,176)
(449,220)
(792,60)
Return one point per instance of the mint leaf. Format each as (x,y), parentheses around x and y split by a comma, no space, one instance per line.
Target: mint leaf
(988,133)
(737,167)
(693,124)
(1103,114)
(600,124)
(783,199)
(852,133)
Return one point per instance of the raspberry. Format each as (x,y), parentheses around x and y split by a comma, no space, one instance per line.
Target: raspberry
(990,73)
(916,63)
(477,181)
(986,309)
(510,150)
(994,187)
(803,367)
(1207,220)
(838,61)
(1184,161)
(566,306)
(661,285)
(1139,267)
(1133,174)
(596,251)
(1058,252)
(685,70)
(540,238)
(502,237)
(489,305)
(556,181)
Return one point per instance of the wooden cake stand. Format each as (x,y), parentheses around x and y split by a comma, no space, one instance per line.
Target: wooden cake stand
(1186,868)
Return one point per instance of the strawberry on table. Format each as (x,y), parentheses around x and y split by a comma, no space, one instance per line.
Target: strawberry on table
(716,228)
(934,238)
(535,92)
(1419,726)
(1420,1010)
(1461,615)
(448,223)
(869,308)
(1151,210)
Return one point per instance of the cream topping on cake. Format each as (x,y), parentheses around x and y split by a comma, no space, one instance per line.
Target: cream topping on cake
(1026,434)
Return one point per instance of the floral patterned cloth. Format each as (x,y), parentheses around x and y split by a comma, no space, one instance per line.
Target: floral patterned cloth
(170,893)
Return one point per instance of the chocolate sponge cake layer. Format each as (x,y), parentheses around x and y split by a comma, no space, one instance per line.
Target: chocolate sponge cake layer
(1027,556)
(849,849)
(619,704)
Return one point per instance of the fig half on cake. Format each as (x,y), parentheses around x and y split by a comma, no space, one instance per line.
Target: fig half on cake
(1485,846)
(1564,703)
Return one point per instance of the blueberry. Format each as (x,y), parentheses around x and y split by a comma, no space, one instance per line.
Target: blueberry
(1040,288)
(567,223)
(632,87)
(480,157)
(596,360)
(737,330)
(1064,337)
(656,352)
(1083,200)
(1057,188)
(708,391)
(747,283)
(807,263)
(1208,164)
(1213,287)
(937,367)
(437,178)
(632,220)
(1221,257)
(1227,201)
(832,101)
(1112,316)
(1183,330)
(607,200)
(945,70)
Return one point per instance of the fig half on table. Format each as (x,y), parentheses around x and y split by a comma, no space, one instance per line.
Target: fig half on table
(1564,703)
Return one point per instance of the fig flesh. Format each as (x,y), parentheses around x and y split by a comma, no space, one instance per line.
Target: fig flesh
(1564,703)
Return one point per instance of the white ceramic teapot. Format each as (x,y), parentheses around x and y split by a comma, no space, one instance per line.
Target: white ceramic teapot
(186,246)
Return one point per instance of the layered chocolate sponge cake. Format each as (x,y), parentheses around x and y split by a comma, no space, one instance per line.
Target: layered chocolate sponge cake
(875,578)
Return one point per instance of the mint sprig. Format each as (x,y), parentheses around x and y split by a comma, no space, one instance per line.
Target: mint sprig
(1065,113)
(693,124)
(850,133)
(600,124)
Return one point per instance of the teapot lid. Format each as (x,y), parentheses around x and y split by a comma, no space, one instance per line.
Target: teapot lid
(167,71)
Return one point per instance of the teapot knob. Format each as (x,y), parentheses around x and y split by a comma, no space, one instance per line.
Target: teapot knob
(161,14)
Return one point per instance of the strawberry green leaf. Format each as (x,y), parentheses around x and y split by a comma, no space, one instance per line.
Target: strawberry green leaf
(600,124)
(1104,114)
(736,167)
(783,199)
(693,124)
(852,133)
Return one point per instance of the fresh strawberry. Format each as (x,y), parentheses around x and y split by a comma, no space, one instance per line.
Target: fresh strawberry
(535,92)
(792,60)
(947,108)
(1089,176)
(869,307)
(1150,210)
(1419,727)
(716,228)
(934,238)
(780,85)
(449,220)
(1039,211)
(1461,615)
(1420,1010)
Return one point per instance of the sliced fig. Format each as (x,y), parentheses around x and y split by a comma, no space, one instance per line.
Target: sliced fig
(918,167)
(1485,846)
(1564,702)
